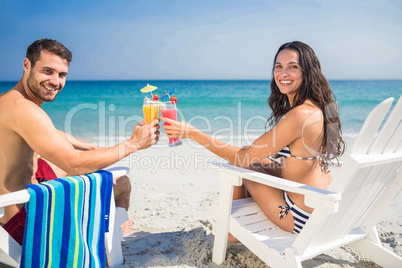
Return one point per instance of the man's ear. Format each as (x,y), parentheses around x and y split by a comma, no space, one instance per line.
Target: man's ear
(27,64)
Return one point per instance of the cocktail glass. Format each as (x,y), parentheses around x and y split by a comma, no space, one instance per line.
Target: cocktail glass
(151,110)
(169,110)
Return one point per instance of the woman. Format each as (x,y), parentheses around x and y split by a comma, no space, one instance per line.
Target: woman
(305,134)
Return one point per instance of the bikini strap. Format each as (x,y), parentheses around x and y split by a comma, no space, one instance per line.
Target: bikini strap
(285,153)
(307,158)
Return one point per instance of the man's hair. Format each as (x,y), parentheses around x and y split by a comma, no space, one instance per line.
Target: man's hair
(34,50)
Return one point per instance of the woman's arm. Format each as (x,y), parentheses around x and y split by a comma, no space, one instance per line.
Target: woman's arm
(285,132)
(268,166)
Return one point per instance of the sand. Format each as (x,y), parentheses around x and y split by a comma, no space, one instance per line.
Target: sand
(173,192)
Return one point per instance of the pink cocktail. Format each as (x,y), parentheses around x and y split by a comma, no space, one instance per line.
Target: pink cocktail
(169,110)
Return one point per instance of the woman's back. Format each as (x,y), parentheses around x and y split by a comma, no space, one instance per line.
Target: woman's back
(304,162)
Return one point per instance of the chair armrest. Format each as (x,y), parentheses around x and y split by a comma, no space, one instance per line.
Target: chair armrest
(14,198)
(118,171)
(276,182)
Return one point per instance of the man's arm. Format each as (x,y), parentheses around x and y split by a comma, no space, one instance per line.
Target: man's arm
(79,144)
(45,140)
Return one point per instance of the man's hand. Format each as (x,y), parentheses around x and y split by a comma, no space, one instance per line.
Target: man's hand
(145,135)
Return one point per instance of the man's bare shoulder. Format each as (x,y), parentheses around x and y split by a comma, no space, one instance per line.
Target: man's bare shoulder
(15,109)
(16,100)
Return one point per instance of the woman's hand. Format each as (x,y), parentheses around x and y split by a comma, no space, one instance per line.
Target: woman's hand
(177,129)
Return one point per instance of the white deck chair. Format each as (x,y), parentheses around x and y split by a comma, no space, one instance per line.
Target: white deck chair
(345,214)
(10,250)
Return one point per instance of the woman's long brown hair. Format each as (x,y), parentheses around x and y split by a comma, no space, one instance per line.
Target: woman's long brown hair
(315,88)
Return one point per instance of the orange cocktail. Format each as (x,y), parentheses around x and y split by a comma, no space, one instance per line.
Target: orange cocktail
(151,110)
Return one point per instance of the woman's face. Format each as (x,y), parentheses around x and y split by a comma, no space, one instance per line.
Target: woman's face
(287,73)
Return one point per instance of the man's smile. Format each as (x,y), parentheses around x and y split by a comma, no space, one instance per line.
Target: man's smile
(50,89)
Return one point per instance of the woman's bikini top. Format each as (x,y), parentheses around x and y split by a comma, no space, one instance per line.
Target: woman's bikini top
(285,153)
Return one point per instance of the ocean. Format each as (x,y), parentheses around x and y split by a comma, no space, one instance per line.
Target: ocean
(105,112)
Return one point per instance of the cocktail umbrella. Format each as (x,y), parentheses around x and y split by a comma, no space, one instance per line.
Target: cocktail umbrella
(148,88)
(167,94)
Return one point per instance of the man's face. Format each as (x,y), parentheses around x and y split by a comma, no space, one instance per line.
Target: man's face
(47,78)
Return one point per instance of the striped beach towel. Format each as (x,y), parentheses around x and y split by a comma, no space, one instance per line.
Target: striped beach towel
(66,222)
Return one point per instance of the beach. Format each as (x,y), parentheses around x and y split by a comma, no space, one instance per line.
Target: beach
(171,203)
(174,189)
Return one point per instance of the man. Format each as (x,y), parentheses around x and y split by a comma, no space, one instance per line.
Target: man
(26,130)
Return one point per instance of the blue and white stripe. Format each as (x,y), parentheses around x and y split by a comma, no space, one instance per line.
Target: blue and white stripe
(300,216)
(285,153)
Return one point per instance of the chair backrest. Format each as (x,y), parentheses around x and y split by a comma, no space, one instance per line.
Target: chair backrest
(368,179)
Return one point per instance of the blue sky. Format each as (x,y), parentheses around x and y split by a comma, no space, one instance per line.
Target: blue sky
(228,39)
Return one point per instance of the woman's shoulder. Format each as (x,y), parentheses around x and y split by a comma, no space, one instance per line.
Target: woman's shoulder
(307,109)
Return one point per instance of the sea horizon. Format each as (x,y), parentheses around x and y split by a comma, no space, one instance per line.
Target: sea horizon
(200,79)
(230,110)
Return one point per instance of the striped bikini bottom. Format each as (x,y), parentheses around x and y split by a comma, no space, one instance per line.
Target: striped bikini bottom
(300,216)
